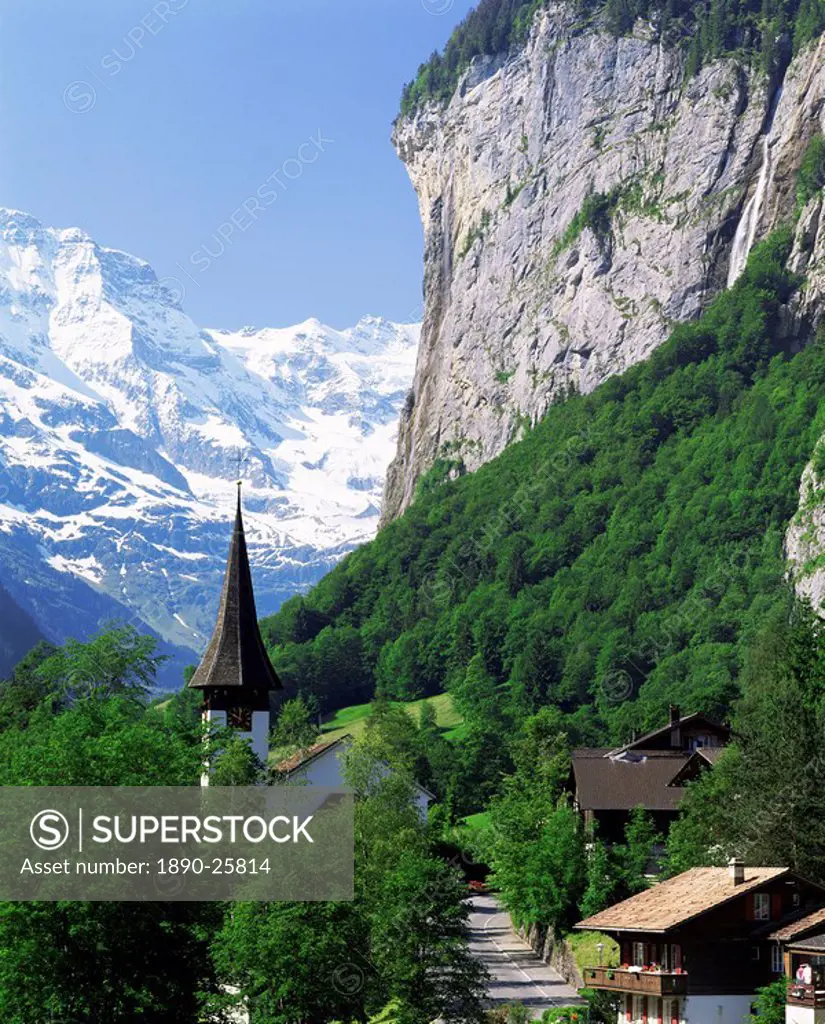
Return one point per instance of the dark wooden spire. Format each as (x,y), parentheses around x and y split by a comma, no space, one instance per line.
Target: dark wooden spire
(236,657)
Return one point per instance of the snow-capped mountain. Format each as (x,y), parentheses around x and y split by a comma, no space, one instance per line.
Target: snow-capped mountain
(124,426)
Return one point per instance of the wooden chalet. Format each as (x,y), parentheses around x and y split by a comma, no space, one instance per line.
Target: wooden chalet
(695,948)
(802,947)
(650,772)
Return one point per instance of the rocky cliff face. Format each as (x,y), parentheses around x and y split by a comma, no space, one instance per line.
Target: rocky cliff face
(578,198)
(800,114)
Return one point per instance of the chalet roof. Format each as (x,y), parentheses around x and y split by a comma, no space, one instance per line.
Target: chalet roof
(236,657)
(810,944)
(812,921)
(630,779)
(303,757)
(710,754)
(700,758)
(677,900)
(697,718)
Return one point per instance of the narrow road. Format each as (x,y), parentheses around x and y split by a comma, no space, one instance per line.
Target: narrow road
(517,975)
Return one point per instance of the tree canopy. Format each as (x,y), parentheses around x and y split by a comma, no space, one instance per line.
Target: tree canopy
(78,716)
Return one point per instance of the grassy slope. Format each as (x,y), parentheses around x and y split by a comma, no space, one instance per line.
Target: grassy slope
(353,719)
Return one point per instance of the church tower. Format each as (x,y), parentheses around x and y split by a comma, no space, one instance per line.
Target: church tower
(235,675)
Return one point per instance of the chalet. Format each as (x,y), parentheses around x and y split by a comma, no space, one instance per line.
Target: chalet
(802,947)
(695,948)
(322,765)
(650,772)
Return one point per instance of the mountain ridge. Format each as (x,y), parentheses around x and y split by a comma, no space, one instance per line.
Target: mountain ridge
(123,426)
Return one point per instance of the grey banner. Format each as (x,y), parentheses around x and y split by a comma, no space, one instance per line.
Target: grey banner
(167,843)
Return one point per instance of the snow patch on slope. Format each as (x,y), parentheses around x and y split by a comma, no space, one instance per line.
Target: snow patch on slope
(123,425)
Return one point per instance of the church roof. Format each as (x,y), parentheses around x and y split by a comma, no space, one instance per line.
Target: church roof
(236,656)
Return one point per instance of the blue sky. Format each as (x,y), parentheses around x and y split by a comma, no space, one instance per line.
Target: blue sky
(187,132)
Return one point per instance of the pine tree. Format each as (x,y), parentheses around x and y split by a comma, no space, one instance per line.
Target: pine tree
(693,63)
(716,28)
(601,880)
(617,16)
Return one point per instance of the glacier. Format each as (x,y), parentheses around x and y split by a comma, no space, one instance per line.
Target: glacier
(124,427)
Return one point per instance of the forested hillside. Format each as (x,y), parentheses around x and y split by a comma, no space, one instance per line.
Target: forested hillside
(618,559)
(770,29)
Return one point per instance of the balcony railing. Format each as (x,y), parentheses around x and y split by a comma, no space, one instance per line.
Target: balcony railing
(806,995)
(640,981)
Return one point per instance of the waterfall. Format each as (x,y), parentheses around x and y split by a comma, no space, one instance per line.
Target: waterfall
(749,221)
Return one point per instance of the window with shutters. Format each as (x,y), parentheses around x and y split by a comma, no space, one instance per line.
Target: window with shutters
(761,906)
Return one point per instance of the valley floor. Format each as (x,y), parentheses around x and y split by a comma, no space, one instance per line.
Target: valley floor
(517,973)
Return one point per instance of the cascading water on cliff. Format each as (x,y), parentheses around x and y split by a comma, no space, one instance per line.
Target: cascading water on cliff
(748,222)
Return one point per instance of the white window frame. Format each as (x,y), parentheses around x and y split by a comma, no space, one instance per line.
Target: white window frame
(777,960)
(638,954)
(638,1008)
(761,906)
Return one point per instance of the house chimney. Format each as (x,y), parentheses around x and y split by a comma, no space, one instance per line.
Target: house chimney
(675,730)
(736,871)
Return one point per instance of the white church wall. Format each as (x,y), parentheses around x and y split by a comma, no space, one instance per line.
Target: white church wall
(326,769)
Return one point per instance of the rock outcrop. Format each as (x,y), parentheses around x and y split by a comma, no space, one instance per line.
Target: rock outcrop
(578,198)
(801,113)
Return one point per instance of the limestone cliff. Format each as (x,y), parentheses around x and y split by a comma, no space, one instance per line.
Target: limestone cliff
(801,114)
(579,197)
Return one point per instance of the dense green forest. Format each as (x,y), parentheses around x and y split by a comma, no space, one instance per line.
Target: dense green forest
(82,715)
(619,558)
(769,29)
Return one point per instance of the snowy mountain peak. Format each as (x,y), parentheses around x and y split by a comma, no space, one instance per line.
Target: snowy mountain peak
(17,220)
(122,424)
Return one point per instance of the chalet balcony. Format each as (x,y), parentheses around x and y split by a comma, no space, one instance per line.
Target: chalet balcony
(806,995)
(639,981)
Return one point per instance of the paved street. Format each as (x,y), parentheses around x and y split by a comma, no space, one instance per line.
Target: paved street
(518,975)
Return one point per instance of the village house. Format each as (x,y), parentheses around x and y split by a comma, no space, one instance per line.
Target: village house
(694,949)
(802,945)
(322,765)
(651,772)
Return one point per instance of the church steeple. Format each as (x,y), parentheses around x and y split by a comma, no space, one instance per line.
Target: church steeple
(235,673)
